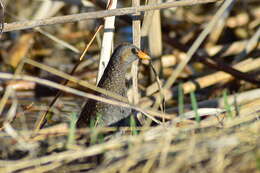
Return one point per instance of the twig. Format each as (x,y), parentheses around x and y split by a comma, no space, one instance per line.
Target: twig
(99,14)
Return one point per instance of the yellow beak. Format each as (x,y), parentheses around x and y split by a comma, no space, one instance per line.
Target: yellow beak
(143,55)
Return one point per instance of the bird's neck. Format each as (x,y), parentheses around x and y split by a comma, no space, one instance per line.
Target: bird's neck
(113,78)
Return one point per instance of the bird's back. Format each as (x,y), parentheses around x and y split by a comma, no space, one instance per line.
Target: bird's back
(104,114)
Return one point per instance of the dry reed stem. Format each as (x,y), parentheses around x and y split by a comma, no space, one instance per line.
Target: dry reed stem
(136,26)
(155,38)
(107,41)
(99,14)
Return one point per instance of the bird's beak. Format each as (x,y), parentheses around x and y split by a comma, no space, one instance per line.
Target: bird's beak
(143,55)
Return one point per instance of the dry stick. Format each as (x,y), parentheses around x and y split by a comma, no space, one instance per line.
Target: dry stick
(108,39)
(42,120)
(137,42)
(148,113)
(99,14)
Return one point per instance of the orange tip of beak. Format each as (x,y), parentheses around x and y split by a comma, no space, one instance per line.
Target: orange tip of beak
(143,55)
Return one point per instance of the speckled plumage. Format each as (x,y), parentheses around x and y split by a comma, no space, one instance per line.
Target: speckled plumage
(113,80)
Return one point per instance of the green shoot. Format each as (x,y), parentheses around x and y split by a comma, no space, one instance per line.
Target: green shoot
(180,99)
(226,104)
(133,125)
(195,106)
(72,129)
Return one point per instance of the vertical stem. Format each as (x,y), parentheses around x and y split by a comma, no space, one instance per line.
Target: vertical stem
(136,42)
(107,41)
(155,38)
(2,8)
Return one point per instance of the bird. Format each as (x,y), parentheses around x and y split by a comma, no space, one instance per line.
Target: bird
(95,113)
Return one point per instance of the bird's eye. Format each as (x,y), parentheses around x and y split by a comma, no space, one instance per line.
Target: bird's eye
(134,51)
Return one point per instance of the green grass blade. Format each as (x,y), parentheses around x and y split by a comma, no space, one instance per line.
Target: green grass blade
(72,130)
(180,99)
(226,104)
(195,106)
(133,125)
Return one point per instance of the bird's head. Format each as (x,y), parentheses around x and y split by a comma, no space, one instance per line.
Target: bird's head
(127,53)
